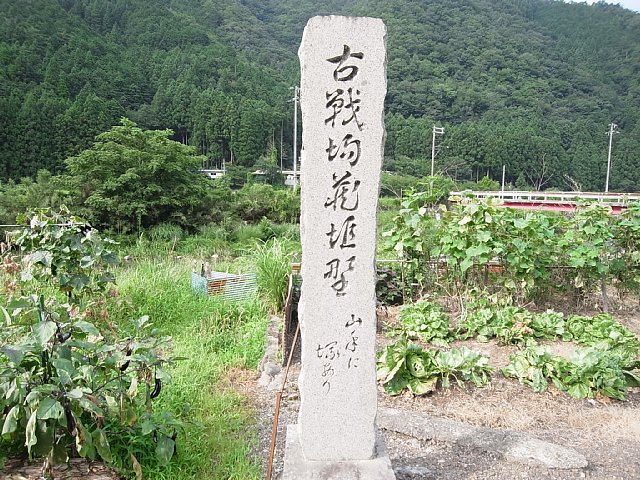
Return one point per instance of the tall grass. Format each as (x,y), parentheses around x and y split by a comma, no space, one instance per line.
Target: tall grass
(213,336)
(166,232)
(273,265)
(228,239)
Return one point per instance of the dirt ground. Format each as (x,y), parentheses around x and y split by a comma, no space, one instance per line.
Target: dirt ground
(605,431)
(77,469)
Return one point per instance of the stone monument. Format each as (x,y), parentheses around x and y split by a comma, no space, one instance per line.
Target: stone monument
(343,85)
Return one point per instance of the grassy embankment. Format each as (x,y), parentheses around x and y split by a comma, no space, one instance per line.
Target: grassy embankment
(213,336)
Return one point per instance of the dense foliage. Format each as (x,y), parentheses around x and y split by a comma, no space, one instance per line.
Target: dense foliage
(529,84)
(70,384)
(64,250)
(134,179)
(606,362)
(476,246)
(405,365)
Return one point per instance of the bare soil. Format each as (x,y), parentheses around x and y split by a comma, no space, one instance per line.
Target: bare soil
(77,469)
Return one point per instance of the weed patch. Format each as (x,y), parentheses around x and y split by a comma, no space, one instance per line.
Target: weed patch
(212,336)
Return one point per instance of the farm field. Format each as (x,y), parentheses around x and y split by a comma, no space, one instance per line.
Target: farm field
(604,431)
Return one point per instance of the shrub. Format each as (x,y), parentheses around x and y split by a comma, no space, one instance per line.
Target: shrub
(273,265)
(166,232)
(65,250)
(66,375)
(62,379)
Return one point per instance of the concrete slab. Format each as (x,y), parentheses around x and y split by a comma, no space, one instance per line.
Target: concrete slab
(296,467)
(514,446)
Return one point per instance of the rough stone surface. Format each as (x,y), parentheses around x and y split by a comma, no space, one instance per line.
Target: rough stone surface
(514,446)
(414,472)
(343,85)
(299,468)
(270,370)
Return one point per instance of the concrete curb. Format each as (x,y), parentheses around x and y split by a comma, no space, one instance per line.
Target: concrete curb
(514,446)
(270,365)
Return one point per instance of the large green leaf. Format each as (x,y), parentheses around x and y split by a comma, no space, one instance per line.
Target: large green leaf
(397,384)
(102,445)
(64,369)
(87,327)
(30,433)
(391,360)
(78,282)
(632,378)
(422,386)
(84,441)
(538,380)
(165,449)
(419,364)
(579,390)
(41,256)
(49,408)
(45,331)
(11,421)
(86,261)
(466,264)
(45,434)
(15,353)
(60,455)
(20,303)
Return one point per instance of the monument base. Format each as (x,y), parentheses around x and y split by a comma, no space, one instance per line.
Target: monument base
(296,467)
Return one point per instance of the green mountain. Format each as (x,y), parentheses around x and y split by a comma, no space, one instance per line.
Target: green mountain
(529,84)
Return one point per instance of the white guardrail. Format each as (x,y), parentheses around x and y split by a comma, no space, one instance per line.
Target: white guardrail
(614,198)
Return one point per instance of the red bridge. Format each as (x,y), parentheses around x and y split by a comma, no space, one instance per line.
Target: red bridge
(552,201)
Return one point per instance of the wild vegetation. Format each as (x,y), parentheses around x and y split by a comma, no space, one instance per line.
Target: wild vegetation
(529,84)
(114,372)
(109,109)
(74,343)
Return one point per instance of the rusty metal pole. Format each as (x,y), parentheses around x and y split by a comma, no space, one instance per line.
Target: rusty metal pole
(274,430)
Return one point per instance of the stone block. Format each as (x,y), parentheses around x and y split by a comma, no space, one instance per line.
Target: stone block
(296,467)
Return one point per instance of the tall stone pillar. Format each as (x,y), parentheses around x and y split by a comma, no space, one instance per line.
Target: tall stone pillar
(343,86)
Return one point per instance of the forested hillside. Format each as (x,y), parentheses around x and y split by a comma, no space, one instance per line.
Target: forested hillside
(529,84)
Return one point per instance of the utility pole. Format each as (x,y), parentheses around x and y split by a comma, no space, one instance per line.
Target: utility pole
(503,172)
(439,131)
(296,91)
(612,130)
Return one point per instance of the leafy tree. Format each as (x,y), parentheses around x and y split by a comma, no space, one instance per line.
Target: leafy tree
(133,178)
(18,197)
(521,184)
(393,185)
(257,201)
(268,164)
